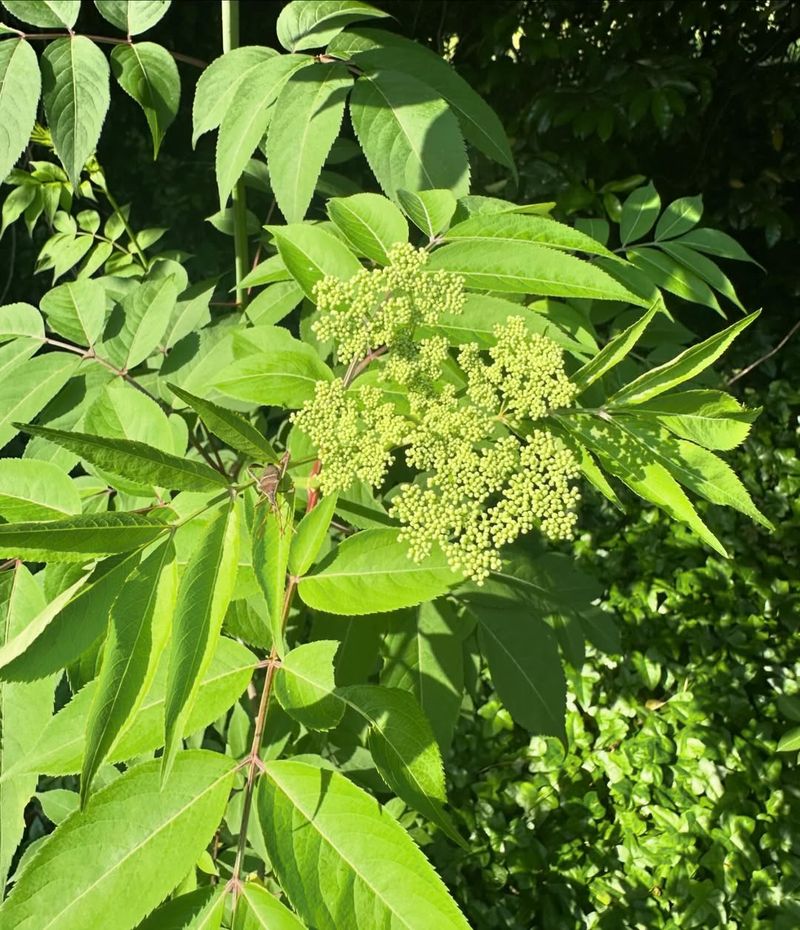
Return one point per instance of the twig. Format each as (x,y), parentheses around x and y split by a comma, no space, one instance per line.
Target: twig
(768,355)
(105,40)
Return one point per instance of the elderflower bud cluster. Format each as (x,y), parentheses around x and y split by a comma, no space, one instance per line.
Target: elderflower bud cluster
(353,433)
(526,376)
(382,306)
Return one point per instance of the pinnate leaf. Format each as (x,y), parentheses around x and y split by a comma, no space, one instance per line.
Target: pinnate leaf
(25,391)
(430,211)
(525,664)
(205,591)
(136,461)
(32,490)
(75,79)
(639,214)
(679,217)
(60,747)
(712,419)
(26,709)
(263,911)
(140,619)
(76,310)
(527,268)
(409,135)
(132,16)
(20,86)
(307,119)
(76,539)
(220,82)
(148,73)
(47,14)
(312,25)
(371,572)
(371,223)
(681,368)
(111,864)
(306,815)
(516,227)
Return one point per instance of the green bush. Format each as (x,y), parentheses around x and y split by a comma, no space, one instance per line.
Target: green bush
(670,807)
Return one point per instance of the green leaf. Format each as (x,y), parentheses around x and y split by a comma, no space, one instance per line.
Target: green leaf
(219,85)
(78,538)
(633,464)
(311,25)
(409,135)
(305,683)
(714,242)
(20,87)
(75,91)
(514,227)
(426,657)
(525,664)
(404,749)
(274,303)
(190,312)
(709,271)
(263,911)
(482,312)
(527,268)
(69,626)
(140,621)
(613,352)
(230,427)
(132,16)
(681,368)
(201,909)
(371,223)
(266,272)
(148,73)
(271,543)
(371,572)
(668,274)
(25,391)
(114,862)
(383,878)
(696,468)
(248,114)
(308,116)
(20,320)
(136,460)
(47,14)
(429,211)
(639,214)
(26,709)
(76,310)
(60,747)
(311,253)
(309,535)
(139,322)
(679,217)
(284,377)
(710,418)
(205,591)
(790,741)
(32,490)
(478,121)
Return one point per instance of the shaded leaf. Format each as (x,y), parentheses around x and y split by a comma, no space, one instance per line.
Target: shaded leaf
(114,862)
(430,211)
(383,877)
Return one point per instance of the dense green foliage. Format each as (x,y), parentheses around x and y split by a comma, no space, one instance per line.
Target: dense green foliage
(344,471)
(670,807)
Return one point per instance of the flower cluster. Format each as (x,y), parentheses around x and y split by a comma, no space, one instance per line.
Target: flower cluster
(382,306)
(353,432)
(480,491)
(525,378)
(484,476)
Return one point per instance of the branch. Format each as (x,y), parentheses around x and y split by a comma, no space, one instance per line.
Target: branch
(768,355)
(105,40)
